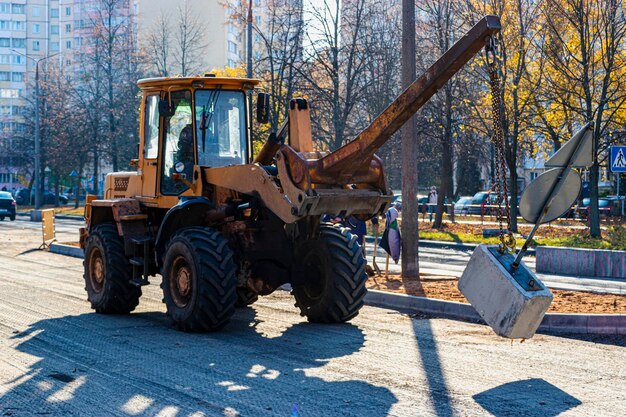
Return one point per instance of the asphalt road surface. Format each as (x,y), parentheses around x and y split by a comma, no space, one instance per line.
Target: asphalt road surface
(58,358)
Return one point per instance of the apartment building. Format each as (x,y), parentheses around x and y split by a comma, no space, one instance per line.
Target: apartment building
(44,31)
(29,31)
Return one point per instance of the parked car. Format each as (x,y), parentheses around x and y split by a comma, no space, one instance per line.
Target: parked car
(7,206)
(607,206)
(48,197)
(480,202)
(483,202)
(615,202)
(462,205)
(422,202)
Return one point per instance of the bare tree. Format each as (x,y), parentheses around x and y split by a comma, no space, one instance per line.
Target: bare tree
(160,43)
(188,40)
(88,91)
(113,44)
(280,54)
(63,126)
(335,66)
(441,24)
(382,77)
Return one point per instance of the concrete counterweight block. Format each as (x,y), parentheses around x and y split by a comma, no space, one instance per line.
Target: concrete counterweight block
(512,304)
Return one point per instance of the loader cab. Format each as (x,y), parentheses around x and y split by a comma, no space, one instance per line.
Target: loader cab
(187,122)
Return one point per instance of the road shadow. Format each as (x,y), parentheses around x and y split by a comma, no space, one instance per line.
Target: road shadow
(27,251)
(93,364)
(530,397)
(429,357)
(431,363)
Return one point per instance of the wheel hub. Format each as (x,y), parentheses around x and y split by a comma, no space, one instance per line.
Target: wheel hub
(181,282)
(96,269)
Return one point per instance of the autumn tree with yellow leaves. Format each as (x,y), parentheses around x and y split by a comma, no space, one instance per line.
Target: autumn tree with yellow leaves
(518,79)
(585,54)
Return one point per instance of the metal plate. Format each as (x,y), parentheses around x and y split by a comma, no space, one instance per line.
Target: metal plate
(521,275)
(535,195)
(578,150)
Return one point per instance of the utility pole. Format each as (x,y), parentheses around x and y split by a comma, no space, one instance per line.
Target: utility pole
(37,141)
(249,71)
(38,185)
(410,210)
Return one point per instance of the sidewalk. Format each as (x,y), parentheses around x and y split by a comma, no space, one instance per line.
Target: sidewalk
(459,254)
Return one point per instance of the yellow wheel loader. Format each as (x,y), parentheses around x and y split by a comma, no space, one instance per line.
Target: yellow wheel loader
(223,226)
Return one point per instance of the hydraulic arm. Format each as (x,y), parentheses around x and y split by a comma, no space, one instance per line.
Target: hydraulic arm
(355,162)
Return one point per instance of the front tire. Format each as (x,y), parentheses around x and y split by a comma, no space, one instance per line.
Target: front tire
(108,273)
(199,281)
(245,297)
(333,265)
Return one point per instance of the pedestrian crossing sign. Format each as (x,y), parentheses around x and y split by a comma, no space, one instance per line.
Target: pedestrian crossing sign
(618,158)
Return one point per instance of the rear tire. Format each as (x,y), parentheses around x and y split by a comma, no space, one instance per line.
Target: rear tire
(334,284)
(199,281)
(1,218)
(12,218)
(108,273)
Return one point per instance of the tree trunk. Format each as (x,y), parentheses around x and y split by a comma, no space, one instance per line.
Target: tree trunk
(112,138)
(77,191)
(95,170)
(446,184)
(410,233)
(56,190)
(30,190)
(594,209)
(110,75)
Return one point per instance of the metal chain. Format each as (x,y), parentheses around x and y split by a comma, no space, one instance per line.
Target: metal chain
(507,240)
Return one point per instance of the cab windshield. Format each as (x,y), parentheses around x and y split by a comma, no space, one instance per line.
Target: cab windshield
(220,127)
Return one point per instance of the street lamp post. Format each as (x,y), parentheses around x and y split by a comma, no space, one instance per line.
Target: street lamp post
(37,127)
(249,54)
(249,65)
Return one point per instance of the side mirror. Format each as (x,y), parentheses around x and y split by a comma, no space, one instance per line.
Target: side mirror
(164,108)
(262,108)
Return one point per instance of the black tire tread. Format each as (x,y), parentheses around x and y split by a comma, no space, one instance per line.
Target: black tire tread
(216,298)
(348,266)
(120,296)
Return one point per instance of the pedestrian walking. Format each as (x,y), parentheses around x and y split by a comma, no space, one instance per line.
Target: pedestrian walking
(432,202)
(391,241)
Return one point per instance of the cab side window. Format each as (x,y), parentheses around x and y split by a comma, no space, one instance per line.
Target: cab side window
(151,127)
(178,150)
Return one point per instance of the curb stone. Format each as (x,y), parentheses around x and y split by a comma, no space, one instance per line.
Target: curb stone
(551,323)
(67,250)
(441,244)
(56,216)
